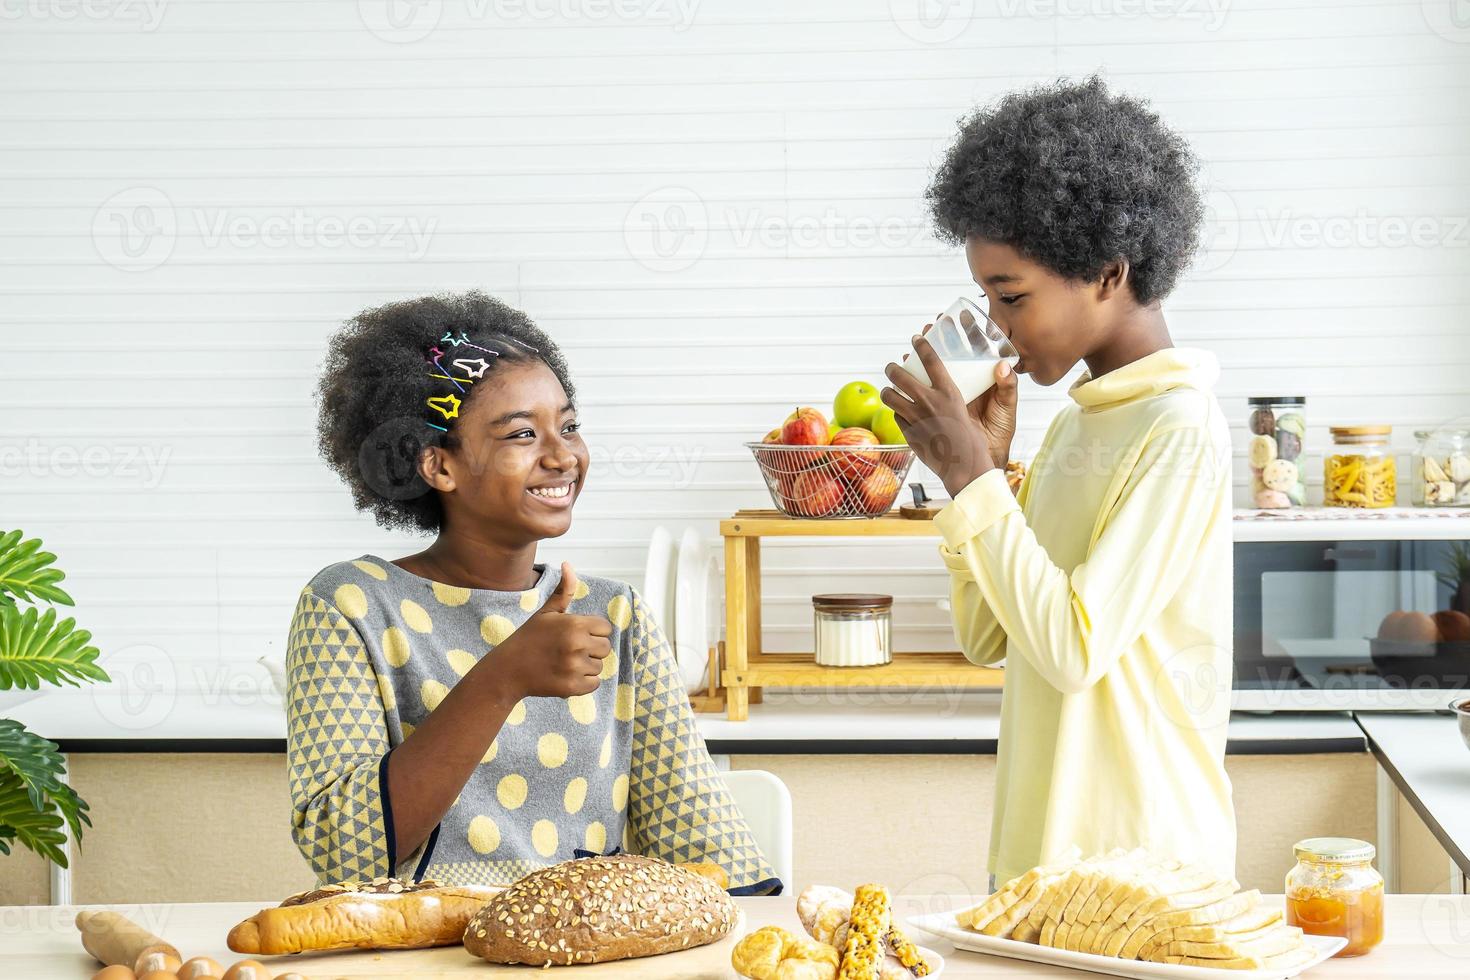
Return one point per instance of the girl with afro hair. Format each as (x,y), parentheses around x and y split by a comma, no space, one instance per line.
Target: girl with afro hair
(466,713)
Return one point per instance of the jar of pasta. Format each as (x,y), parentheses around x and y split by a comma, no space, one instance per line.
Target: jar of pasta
(1442,468)
(1278,426)
(1334,890)
(1359,471)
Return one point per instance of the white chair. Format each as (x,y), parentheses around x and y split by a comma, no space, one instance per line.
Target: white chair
(766,803)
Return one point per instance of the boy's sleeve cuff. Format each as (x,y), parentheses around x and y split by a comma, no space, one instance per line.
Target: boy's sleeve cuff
(974,509)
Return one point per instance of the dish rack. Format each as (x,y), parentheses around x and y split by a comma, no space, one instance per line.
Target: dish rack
(747,669)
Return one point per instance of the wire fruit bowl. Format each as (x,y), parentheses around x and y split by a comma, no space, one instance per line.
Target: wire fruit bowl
(833,482)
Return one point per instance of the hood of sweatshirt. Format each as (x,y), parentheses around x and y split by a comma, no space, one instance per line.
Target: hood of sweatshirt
(1154,374)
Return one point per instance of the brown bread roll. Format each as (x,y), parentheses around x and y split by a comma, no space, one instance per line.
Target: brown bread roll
(593,910)
(386,913)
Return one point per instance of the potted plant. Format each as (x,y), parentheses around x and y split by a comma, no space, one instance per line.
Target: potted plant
(1457,579)
(34,647)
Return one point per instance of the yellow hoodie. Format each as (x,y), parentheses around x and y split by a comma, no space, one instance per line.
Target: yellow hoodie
(1106,585)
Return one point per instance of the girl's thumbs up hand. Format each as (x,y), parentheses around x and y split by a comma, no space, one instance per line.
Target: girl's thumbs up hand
(556,653)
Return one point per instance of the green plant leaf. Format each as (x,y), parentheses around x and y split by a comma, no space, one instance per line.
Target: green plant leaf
(26,571)
(34,802)
(34,647)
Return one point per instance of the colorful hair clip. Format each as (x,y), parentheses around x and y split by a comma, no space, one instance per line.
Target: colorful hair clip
(469,370)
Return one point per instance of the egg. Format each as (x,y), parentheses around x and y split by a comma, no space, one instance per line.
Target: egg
(115,973)
(291,976)
(156,962)
(200,967)
(247,970)
(159,975)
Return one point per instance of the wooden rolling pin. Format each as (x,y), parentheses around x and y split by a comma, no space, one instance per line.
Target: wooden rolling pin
(116,940)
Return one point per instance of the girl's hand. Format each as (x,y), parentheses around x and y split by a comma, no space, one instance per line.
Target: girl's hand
(555,654)
(945,433)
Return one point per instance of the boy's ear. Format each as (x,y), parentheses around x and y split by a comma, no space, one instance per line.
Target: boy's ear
(1114,279)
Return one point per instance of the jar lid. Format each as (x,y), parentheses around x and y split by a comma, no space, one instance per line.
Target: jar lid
(1345,850)
(1422,434)
(1360,430)
(1276,400)
(852,600)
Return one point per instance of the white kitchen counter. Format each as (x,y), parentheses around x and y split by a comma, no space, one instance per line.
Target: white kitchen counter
(1429,762)
(810,722)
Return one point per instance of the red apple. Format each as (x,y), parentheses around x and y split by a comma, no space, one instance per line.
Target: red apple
(856,464)
(878,490)
(815,494)
(805,427)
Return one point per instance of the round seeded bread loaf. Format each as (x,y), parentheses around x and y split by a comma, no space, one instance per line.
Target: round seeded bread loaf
(597,909)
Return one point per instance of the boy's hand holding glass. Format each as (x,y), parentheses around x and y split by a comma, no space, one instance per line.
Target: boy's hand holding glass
(555,653)
(960,442)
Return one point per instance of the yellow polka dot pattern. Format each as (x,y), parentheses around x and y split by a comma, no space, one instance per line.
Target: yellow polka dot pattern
(596,839)
(620,793)
(581,591)
(431,693)
(623,703)
(575,795)
(530,600)
(604,756)
(609,666)
(489,755)
(551,749)
(517,714)
(373,570)
(544,838)
(583,708)
(396,648)
(620,612)
(416,616)
(449,595)
(511,791)
(494,629)
(351,601)
(484,835)
(460,660)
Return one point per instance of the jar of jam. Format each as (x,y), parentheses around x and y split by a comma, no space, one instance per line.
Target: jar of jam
(1334,890)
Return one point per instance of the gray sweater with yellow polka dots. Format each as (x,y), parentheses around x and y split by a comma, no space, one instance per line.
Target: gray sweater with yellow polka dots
(373,649)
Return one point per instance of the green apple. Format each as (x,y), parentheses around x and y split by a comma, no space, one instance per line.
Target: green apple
(832,429)
(855,404)
(884,425)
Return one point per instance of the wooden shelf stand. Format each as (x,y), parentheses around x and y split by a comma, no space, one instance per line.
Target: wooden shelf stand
(748,669)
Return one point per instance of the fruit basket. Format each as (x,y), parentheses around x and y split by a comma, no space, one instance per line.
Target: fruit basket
(833,482)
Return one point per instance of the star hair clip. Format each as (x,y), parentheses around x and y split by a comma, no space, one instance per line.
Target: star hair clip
(472,369)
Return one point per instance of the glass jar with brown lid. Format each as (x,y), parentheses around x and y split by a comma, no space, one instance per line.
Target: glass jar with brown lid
(1359,472)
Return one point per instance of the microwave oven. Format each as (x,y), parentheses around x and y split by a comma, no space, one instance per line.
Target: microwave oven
(1351,625)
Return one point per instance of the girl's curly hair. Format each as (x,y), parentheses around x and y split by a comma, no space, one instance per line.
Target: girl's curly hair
(372,423)
(1074,178)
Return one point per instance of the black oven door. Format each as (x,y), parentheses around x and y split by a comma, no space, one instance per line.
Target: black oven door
(1352,616)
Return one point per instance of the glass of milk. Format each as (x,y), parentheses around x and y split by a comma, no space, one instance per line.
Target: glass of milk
(970,345)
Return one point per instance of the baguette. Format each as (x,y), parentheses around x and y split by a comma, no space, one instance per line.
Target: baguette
(598,909)
(385,913)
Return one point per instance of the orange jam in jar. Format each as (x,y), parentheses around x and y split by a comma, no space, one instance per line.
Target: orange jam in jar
(1334,890)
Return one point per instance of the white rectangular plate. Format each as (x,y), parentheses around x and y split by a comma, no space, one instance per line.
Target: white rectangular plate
(943,924)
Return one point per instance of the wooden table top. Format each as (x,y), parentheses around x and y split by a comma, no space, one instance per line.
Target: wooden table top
(1427,936)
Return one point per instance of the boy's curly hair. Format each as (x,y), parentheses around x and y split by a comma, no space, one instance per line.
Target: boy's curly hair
(372,423)
(1074,178)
